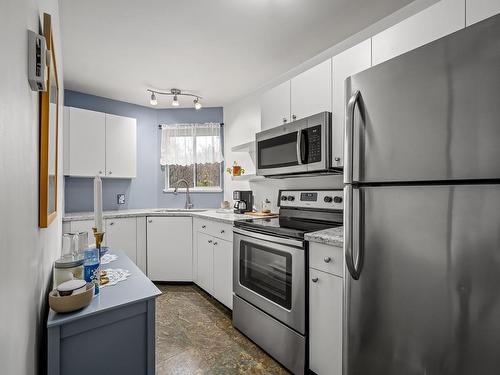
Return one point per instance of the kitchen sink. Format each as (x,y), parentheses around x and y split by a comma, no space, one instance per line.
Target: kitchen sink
(166,210)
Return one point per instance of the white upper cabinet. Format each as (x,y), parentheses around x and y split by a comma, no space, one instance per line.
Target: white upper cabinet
(311,91)
(121,147)
(87,144)
(275,106)
(478,10)
(439,20)
(99,144)
(345,64)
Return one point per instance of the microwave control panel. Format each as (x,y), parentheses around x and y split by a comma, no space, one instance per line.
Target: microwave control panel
(314,144)
(322,199)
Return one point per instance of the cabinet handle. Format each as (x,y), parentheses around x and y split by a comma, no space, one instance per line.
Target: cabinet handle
(285,120)
(203,226)
(209,241)
(110,172)
(100,172)
(314,279)
(336,158)
(327,259)
(150,221)
(222,231)
(112,223)
(294,117)
(215,243)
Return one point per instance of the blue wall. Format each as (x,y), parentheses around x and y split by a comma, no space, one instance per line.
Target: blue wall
(146,190)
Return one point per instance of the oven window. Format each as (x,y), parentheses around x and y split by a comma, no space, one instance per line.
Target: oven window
(267,272)
(278,151)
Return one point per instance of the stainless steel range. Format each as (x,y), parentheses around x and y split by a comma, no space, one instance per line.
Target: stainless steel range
(270,272)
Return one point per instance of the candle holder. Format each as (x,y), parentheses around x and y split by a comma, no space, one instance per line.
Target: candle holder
(99,236)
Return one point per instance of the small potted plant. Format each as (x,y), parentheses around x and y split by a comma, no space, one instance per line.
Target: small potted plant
(235,170)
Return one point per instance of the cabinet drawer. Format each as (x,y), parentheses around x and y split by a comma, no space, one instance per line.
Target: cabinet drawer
(214,228)
(326,258)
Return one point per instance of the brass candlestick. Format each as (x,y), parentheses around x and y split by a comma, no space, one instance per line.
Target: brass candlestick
(99,236)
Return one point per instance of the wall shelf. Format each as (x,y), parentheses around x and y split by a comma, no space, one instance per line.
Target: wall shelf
(247,177)
(244,147)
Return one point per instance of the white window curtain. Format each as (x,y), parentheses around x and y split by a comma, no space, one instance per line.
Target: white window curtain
(186,144)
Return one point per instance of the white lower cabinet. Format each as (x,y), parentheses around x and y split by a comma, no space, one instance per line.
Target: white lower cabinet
(325,322)
(169,248)
(223,272)
(86,226)
(121,235)
(205,262)
(214,259)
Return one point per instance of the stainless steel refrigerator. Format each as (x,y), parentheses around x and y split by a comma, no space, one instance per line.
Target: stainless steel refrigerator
(422,215)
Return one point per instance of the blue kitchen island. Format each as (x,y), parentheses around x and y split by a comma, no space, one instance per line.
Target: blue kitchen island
(115,334)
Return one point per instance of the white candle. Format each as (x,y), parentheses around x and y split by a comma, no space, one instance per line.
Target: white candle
(98,203)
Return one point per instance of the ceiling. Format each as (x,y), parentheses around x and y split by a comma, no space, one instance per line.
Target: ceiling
(219,49)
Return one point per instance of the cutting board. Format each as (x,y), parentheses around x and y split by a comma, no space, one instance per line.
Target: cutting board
(260,214)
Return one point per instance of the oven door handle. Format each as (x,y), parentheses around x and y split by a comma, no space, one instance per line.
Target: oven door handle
(270,238)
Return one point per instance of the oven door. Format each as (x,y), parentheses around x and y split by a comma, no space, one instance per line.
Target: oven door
(269,272)
(281,150)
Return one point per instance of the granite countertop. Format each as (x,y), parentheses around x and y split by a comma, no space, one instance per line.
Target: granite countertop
(331,236)
(210,214)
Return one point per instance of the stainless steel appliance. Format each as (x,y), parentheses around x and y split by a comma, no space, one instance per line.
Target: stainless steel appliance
(269,273)
(422,215)
(302,146)
(243,201)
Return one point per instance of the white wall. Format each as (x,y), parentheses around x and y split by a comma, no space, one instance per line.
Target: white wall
(26,252)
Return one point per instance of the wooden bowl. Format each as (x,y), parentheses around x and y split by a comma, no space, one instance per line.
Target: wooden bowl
(71,303)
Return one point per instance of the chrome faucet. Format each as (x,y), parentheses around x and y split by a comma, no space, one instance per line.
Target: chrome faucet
(188,203)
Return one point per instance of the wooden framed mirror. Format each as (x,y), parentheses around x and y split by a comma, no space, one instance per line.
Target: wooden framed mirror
(49,120)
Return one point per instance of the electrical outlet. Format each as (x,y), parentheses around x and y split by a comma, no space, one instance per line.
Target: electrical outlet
(120,198)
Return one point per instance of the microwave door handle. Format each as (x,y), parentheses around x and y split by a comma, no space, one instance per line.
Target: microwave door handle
(299,147)
(348,139)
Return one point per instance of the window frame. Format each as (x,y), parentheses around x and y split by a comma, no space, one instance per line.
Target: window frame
(197,189)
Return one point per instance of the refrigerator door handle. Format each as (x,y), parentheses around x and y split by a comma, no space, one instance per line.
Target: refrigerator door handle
(353,266)
(348,139)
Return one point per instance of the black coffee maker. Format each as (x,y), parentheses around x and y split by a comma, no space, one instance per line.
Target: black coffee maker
(243,201)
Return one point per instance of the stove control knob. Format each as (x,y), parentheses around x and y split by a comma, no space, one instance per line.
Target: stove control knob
(291,198)
(337,199)
(328,199)
(283,197)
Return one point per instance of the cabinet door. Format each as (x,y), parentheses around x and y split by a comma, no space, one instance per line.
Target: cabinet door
(345,64)
(325,323)
(169,248)
(478,10)
(434,22)
(223,272)
(86,226)
(121,235)
(275,106)
(121,146)
(311,91)
(87,155)
(205,278)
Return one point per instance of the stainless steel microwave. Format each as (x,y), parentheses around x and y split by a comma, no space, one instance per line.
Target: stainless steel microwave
(302,146)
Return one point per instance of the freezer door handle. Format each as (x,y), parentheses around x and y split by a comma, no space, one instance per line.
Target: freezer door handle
(348,139)
(353,266)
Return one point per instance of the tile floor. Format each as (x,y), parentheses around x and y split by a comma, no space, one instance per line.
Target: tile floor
(194,335)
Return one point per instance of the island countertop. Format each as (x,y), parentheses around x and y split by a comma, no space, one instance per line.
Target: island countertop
(136,288)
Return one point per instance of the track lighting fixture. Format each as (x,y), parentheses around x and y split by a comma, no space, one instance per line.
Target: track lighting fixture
(175,100)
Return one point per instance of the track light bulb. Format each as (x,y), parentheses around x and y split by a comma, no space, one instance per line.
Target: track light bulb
(197,104)
(175,102)
(153,100)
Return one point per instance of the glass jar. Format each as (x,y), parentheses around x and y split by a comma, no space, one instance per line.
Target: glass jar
(66,268)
